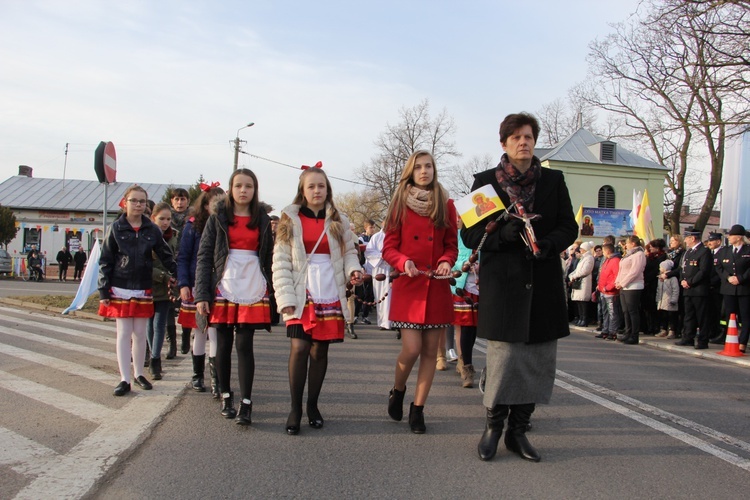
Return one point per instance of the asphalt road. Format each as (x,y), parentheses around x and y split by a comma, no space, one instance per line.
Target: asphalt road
(625,421)
(16,287)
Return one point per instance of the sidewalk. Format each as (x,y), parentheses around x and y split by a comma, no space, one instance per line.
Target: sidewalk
(668,345)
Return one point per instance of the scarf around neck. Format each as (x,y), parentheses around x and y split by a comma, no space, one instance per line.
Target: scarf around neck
(419,200)
(520,187)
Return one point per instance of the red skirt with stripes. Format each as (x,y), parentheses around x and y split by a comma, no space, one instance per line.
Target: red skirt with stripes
(230,313)
(323,322)
(186,317)
(134,307)
(465,311)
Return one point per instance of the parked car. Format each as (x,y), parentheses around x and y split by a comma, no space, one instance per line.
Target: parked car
(6,262)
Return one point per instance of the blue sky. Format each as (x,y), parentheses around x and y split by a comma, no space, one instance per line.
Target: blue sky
(170,82)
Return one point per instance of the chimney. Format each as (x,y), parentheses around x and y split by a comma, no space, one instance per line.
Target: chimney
(25,170)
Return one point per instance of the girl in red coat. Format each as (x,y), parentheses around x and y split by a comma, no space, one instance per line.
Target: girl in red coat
(420,236)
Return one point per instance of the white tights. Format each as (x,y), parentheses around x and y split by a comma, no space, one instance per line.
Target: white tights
(131,329)
(199,342)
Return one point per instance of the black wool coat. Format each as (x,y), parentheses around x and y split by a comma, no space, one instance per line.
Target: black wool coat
(522,299)
(730,264)
(696,268)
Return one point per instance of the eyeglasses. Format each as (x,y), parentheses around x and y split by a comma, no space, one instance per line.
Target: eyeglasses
(136,202)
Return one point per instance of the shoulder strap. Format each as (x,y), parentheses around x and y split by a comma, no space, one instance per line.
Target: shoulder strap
(307,261)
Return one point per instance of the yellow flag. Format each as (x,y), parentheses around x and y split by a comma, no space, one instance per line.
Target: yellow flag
(644,226)
(579,215)
(478,204)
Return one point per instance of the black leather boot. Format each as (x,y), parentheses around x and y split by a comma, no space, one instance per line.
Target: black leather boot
(214,378)
(172,340)
(227,406)
(147,361)
(155,368)
(199,364)
(396,404)
(243,416)
(515,438)
(185,347)
(416,419)
(493,430)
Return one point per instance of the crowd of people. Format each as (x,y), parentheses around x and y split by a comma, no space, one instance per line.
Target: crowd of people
(684,291)
(224,268)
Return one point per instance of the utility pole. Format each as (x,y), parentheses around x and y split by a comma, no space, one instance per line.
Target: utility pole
(237,142)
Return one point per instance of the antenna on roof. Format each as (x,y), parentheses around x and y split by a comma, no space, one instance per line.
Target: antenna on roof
(65,165)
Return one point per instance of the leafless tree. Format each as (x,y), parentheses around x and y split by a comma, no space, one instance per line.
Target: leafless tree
(360,206)
(659,73)
(416,130)
(561,118)
(460,177)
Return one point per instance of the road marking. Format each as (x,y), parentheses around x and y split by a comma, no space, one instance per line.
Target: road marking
(19,451)
(79,407)
(15,314)
(60,344)
(60,364)
(686,438)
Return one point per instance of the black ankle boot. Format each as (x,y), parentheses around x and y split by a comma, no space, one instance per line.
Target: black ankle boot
(147,361)
(314,417)
(416,419)
(227,406)
(214,378)
(493,430)
(155,368)
(199,364)
(172,341)
(396,404)
(185,347)
(243,416)
(515,438)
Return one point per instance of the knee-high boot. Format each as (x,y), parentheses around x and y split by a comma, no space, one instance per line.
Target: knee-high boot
(172,339)
(185,347)
(199,366)
(214,378)
(515,438)
(493,429)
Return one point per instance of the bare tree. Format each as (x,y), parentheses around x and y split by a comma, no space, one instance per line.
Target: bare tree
(416,130)
(360,206)
(561,118)
(460,178)
(658,73)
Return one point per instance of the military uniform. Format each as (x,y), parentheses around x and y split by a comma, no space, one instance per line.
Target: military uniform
(695,272)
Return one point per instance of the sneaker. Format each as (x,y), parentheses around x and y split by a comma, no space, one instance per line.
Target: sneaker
(671,335)
(451,356)
(662,334)
(366,321)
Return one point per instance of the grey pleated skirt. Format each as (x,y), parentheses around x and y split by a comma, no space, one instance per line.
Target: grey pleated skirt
(519,373)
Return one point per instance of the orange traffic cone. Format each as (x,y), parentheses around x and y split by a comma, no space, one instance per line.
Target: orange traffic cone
(732,343)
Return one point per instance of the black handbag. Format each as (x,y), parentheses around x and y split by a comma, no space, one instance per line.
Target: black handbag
(576,284)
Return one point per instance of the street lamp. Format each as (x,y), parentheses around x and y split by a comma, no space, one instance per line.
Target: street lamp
(237,143)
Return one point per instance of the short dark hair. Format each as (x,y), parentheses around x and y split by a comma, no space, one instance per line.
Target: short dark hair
(180,193)
(608,247)
(514,121)
(597,247)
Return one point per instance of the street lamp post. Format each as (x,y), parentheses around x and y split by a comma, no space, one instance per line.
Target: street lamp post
(237,143)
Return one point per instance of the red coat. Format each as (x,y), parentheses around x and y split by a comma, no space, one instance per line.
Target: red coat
(421,300)
(607,275)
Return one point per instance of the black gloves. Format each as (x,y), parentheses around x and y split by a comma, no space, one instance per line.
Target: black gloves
(511,231)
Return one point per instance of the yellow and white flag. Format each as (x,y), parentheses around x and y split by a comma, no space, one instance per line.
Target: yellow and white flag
(479,204)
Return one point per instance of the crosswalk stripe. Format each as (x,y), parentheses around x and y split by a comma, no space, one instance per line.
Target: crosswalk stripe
(34,325)
(79,407)
(61,365)
(60,344)
(18,451)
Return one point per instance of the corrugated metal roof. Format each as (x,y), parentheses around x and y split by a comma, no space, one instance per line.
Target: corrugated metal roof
(21,192)
(575,149)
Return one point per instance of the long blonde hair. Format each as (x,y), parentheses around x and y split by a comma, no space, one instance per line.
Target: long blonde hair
(397,208)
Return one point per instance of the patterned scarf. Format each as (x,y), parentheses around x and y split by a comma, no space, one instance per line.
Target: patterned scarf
(419,200)
(519,186)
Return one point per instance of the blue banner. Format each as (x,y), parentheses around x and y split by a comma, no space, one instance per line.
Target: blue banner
(601,222)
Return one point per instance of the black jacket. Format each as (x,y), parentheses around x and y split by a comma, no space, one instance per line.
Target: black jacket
(214,250)
(523,299)
(728,264)
(696,268)
(126,257)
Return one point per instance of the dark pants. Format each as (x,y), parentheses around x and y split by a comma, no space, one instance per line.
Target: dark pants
(740,305)
(713,310)
(631,311)
(696,318)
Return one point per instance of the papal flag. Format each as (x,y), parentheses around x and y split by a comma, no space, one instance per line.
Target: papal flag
(88,284)
(579,215)
(644,226)
(478,204)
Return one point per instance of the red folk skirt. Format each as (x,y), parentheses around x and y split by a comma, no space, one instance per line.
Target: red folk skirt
(230,313)
(186,317)
(125,303)
(322,322)
(464,312)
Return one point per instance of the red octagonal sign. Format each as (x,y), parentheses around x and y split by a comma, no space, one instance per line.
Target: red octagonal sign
(110,163)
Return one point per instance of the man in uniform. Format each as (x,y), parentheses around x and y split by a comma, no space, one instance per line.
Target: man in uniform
(733,266)
(714,309)
(695,277)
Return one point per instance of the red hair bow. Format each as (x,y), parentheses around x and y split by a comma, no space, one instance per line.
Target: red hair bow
(205,187)
(317,165)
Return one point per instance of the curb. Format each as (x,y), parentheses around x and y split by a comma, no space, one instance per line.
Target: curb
(57,310)
(668,345)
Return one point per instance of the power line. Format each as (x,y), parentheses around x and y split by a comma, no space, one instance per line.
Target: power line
(297,168)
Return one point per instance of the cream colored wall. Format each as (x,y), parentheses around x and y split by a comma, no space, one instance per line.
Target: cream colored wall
(585,179)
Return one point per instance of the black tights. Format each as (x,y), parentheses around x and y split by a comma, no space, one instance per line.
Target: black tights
(245,358)
(300,351)
(468,338)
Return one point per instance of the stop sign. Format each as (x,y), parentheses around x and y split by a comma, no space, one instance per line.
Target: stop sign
(110,163)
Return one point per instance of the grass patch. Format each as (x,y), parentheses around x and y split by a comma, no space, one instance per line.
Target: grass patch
(61,301)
